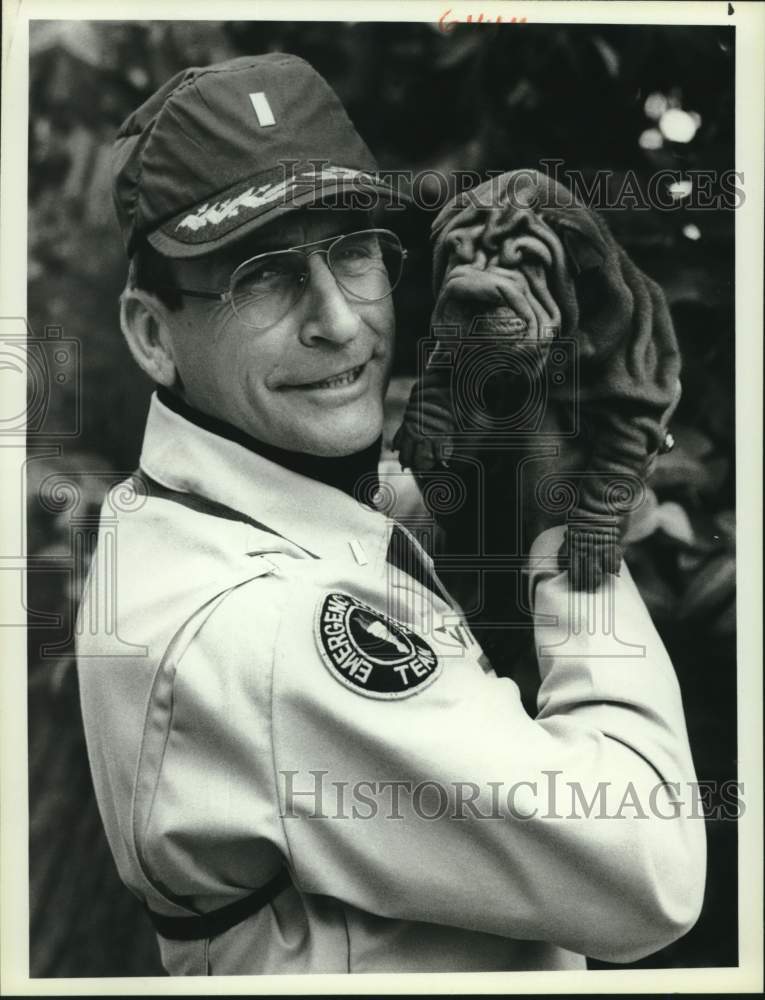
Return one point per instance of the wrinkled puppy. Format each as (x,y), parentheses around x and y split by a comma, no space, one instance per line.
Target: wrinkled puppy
(519,263)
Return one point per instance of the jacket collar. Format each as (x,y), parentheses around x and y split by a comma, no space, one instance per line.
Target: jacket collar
(182,455)
(346,472)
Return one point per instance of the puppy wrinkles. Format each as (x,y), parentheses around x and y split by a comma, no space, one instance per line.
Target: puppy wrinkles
(519,261)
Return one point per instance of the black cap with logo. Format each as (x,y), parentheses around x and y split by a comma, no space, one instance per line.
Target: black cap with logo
(221,150)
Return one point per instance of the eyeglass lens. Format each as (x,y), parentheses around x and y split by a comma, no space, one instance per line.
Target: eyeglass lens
(367,266)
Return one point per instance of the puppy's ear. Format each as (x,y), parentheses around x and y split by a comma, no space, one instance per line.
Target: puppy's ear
(459,204)
(582,252)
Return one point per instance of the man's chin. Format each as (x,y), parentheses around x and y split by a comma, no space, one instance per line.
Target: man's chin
(331,437)
(340,448)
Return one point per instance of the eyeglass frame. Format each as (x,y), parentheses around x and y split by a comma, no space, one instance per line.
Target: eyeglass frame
(227,296)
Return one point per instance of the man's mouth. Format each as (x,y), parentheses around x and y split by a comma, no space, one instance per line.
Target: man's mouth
(347,377)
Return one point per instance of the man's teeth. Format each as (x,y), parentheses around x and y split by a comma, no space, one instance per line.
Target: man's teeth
(345,379)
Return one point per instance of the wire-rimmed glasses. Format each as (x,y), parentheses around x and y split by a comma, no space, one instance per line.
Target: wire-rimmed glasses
(366,265)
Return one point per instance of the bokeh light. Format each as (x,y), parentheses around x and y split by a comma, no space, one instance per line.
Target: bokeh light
(677,125)
(680,189)
(651,138)
(655,105)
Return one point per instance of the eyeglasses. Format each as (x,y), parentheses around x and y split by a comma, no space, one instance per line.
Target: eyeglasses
(366,265)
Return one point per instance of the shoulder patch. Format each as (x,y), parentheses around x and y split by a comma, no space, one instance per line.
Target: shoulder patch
(371,653)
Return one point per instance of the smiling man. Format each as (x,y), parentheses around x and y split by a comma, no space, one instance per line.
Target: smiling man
(302,759)
(296,349)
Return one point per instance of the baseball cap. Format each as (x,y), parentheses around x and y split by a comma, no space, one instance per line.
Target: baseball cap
(221,150)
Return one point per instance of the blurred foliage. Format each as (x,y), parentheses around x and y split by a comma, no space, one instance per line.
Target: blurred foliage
(478,97)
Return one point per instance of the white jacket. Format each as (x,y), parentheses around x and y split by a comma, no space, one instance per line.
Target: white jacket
(258,698)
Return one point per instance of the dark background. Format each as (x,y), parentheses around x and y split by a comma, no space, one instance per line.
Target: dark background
(479,97)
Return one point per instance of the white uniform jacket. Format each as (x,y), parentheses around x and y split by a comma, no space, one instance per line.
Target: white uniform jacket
(272,696)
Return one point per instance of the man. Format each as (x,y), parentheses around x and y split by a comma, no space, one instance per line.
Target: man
(302,759)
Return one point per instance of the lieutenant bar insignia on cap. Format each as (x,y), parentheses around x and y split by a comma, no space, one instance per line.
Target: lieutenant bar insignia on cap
(262,109)
(370,653)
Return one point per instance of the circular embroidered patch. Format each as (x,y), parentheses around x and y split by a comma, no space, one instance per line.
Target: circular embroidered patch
(371,653)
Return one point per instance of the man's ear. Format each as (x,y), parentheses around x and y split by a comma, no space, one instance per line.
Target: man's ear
(144,323)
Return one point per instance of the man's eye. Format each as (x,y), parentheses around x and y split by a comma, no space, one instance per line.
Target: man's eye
(269,271)
(356,258)
(266,275)
(353,253)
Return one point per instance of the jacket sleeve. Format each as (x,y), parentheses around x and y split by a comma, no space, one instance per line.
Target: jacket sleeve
(450,806)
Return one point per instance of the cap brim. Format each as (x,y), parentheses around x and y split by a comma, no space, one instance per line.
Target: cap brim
(249,205)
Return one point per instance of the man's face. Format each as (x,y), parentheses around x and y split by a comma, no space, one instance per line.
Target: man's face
(312,382)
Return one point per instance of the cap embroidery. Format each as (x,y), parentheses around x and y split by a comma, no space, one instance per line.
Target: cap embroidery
(255,197)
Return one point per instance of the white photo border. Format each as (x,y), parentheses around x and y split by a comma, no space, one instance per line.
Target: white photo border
(749,21)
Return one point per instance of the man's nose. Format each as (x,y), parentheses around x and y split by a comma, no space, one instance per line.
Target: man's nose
(328,315)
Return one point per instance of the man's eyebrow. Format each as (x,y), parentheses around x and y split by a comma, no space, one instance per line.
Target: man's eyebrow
(270,241)
(268,244)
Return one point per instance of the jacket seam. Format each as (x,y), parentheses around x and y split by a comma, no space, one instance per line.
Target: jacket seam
(272,741)
(137,837)
(347,936)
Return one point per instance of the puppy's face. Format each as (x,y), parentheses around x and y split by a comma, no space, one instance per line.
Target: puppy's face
(496,277)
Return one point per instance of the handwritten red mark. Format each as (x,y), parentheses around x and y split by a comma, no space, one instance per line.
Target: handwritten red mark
(448,25)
